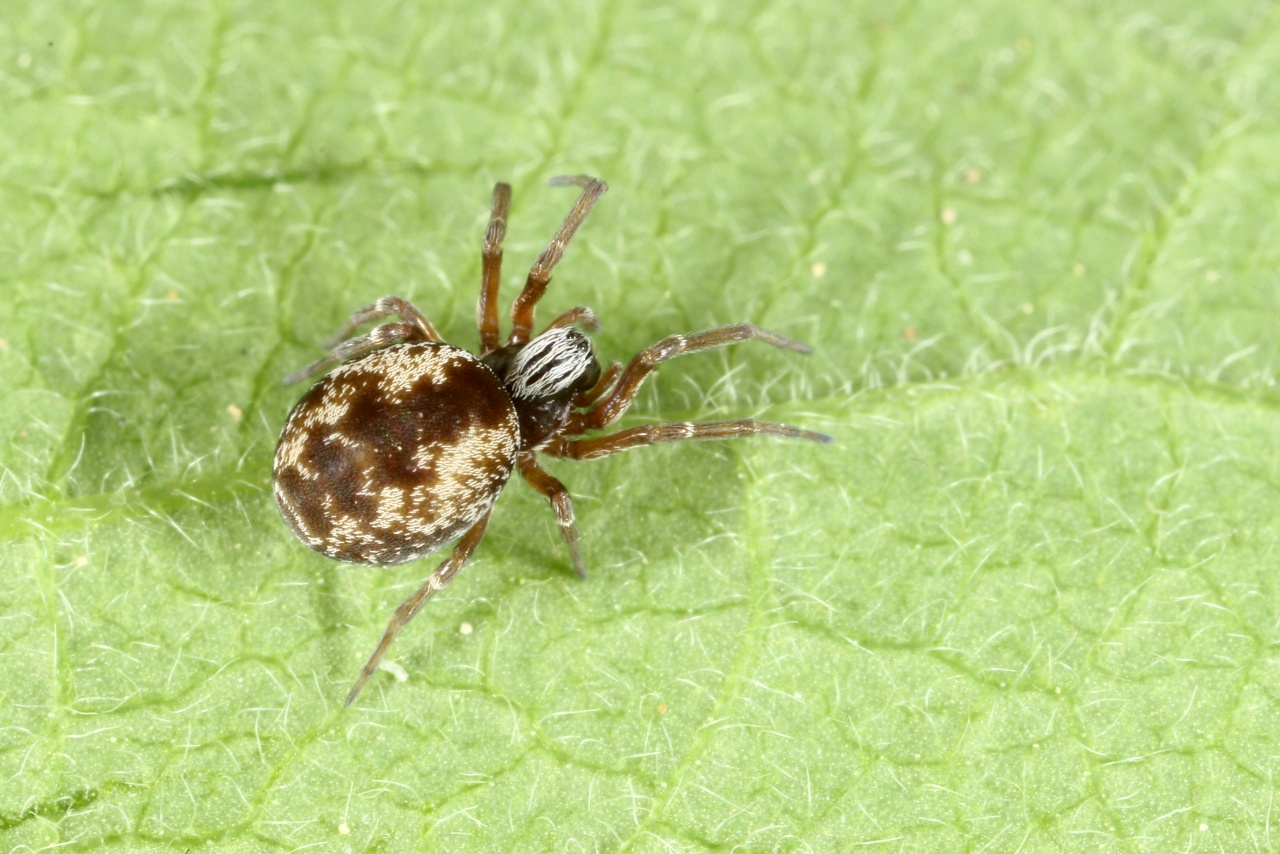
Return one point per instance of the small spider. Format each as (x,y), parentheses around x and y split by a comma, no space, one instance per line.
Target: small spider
(406,445)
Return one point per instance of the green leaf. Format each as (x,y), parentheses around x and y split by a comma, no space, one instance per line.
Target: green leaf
(1026,603)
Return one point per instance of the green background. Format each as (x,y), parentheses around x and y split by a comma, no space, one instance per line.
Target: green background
(1027,603)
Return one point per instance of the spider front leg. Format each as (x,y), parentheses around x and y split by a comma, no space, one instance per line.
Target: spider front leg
(536,284)
(382,336)
(611,408)
(542,480)
(491,269)
(676,431)
(408,608)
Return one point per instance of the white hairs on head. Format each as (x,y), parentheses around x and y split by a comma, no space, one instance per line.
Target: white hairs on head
(550,364)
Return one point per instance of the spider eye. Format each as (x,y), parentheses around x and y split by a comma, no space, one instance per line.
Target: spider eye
(557,362)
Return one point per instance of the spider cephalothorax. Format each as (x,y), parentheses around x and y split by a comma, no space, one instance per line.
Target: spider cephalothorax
(543,377)
(406,444)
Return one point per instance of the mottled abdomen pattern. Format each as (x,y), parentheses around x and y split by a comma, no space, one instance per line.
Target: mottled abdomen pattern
(393,455)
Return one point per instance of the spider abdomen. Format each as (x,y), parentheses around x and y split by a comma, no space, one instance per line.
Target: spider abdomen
(395,454)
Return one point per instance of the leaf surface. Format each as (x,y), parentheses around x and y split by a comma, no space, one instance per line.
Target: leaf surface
(1026,603)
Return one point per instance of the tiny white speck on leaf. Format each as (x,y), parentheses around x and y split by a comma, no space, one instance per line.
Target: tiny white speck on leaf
(465,629)
(398,672)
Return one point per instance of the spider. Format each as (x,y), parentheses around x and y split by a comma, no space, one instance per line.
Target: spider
(406,443)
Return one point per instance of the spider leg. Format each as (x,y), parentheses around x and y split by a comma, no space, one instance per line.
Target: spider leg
(387,307)
(379,337)
(610,410)
(541,480)
(651,434)
(408,608)
(580,316)
(536,285)
(601,388)
(491,269)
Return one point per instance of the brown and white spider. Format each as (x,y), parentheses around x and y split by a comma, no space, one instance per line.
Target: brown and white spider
(406,444)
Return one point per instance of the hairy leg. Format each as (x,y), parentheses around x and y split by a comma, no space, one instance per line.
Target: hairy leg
(676,431)
(522,310)
(382,336)
(390,306)
(491,269)
(633,376)
(408,608)
(541,480)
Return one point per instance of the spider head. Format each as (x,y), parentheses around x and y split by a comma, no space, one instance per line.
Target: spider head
(543,377)
(557,365)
